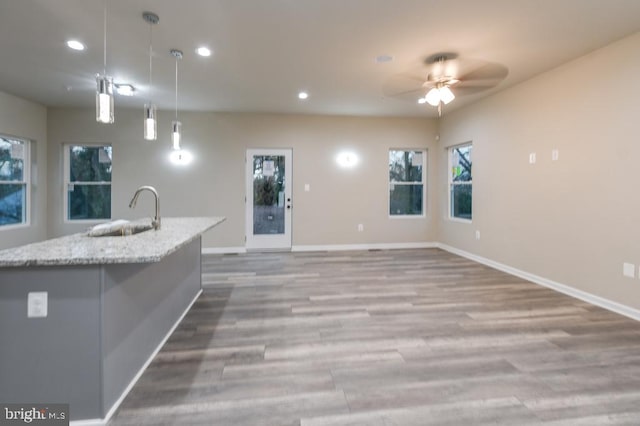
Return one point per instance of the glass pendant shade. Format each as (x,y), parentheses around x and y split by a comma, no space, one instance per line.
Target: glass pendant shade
(446,95)
(176,134)
(104,99)
(433,97)
(150,122)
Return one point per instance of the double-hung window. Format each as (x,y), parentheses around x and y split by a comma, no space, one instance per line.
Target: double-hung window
(460,182)
(407,182)
(14,181)
(87,182)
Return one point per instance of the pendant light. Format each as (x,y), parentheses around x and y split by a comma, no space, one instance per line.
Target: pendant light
(150,119)
(104,90)
(176,126)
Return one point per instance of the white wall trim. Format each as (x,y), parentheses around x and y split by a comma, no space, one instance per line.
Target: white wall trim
(381,246)
(562,288)
(223,250)
(114,407)
(328,247)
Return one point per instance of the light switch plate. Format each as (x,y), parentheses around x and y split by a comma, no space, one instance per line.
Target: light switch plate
(532,158)
(629,270)
(307,187)
(555,154)
(37,304)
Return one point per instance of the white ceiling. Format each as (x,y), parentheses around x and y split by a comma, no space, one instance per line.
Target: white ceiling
(265,51)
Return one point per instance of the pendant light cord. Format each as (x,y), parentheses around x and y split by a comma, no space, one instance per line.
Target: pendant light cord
(150,56)
(105,37)
(176,88)
(178,55)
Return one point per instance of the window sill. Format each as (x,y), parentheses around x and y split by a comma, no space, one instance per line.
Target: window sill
(14,227)
(459,220)
(408,216)
(85,221)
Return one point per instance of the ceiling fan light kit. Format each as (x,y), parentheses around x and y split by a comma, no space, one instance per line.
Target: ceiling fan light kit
(438,94)
(440,78)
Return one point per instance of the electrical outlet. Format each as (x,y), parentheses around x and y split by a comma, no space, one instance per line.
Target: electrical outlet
(477,235)
(629,270)
(37,304)
(360,227)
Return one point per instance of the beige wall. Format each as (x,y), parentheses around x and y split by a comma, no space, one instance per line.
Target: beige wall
(574,221)
(214,184)
(28,120)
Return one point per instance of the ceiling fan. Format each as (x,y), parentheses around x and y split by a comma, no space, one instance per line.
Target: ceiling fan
(442,76)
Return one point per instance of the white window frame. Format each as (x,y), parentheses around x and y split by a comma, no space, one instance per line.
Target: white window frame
(423,183)
(451,183)
(26,181)
(67,183)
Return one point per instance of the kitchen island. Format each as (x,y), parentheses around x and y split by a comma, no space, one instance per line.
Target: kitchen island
(111,302)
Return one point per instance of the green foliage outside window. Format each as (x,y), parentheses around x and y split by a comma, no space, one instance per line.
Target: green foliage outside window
(89,189)
(461,187)
(406,187)
(13,187)
(266,189)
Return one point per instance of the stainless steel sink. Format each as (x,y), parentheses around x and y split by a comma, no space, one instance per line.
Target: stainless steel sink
(120,229)
(132,229)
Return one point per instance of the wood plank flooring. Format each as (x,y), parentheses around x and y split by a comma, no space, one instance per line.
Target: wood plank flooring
(403,337)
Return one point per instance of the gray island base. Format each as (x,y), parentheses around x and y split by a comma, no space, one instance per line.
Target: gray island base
(112,302)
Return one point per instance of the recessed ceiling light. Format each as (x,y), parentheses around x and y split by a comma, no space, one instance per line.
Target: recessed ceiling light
(203,51)
(125,89)
(303,95)
(75,45)
(381,59)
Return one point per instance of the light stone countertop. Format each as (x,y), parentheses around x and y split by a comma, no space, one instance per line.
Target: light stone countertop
(80,249)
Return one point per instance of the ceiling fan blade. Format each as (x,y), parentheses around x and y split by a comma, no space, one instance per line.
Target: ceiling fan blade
(465,76)
(487,71)
(469,90)
(402,85)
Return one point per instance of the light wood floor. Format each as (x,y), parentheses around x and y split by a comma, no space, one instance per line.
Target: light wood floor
(406,337)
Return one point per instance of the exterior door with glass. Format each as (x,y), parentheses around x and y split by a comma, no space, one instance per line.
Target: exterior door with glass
(268,201)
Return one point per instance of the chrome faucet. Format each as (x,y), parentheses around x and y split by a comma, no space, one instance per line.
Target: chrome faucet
(156,220)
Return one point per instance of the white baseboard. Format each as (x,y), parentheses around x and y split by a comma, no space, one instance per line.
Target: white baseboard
(382,246)
(607,304)
(223,250)
(562,288)
(114,407)
(328,247)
